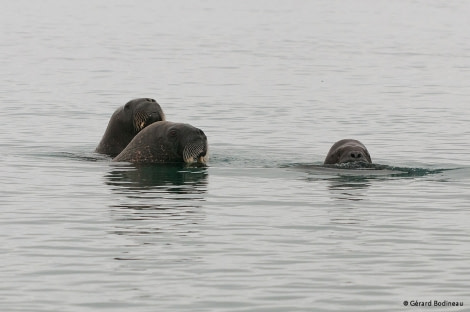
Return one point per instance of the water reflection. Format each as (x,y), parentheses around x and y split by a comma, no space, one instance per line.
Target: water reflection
(175,178)
(156,199)
(349,187)
(346,181)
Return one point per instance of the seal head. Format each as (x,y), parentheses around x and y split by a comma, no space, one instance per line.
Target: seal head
(347,150)
(167,142)
(126,122)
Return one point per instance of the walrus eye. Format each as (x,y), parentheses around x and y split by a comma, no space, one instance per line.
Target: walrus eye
(172,133)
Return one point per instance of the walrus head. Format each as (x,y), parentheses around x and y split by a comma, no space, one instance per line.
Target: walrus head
(126,122)
(144,112)
(190,142)
(347,150)
(167,142)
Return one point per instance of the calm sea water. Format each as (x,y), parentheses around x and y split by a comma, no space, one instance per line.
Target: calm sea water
(263,228)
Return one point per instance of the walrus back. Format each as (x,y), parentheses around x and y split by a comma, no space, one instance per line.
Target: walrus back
(146,147)
(141,154)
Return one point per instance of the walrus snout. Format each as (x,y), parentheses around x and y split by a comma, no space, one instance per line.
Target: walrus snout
(353,156)
(203,152)
(196,151)
(356,155)
(147,115)
(203,139)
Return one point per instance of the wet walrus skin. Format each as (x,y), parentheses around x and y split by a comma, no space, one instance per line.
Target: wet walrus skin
(347,150)
(126,122)
(167,142)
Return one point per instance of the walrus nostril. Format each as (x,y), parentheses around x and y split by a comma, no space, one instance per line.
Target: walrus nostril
(201,132)
(355,155)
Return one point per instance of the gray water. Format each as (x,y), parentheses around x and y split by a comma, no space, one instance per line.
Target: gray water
(263,227)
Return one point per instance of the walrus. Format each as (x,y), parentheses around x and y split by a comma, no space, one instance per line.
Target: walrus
(166,142)
(126,122)
(347,150)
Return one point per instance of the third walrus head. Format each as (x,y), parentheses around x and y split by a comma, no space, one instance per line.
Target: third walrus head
(347,150)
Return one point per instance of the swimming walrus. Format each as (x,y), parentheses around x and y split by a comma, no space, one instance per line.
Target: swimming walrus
(347,150)
(126,122)
(167,142)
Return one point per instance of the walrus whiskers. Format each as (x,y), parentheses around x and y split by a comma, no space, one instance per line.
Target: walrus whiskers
(192,153)
(139,120)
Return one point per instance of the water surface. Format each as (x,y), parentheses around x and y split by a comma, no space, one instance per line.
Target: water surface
(263,227)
